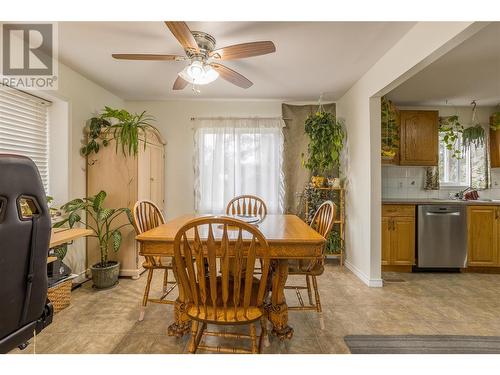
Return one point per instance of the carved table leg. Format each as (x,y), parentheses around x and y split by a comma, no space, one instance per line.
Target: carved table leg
(278,309)
(182,323)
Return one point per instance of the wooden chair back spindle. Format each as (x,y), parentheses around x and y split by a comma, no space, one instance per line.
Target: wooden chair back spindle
(324,218)
(322,222)
(250,205)
(220,282)
(147,216)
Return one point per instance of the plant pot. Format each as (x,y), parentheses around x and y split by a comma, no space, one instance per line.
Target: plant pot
(318,181)
(105,277)
(334,182)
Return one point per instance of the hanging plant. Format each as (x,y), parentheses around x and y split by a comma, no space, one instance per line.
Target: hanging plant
(473,136)
(495,121)
(127,129)
(451,130)
(326,140)
(390,129)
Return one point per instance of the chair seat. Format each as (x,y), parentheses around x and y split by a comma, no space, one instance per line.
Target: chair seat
(232,316)
(305,267)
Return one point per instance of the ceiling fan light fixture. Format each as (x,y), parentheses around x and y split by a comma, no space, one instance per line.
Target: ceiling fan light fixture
(199,74)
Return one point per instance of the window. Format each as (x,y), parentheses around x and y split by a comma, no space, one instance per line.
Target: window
(453,172)
(471,170)
(24,128)
(235,157)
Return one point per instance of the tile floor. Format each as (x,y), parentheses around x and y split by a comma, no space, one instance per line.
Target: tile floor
(424,303)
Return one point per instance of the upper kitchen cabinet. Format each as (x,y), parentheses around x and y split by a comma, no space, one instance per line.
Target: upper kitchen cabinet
(495,140)
(419,137)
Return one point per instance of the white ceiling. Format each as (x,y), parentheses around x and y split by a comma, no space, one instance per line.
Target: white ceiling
(471,71)
(311,57)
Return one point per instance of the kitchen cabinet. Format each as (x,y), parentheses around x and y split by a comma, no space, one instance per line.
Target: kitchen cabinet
(495,148)
(398,235)
(483,230)
(419,138)
(127,179)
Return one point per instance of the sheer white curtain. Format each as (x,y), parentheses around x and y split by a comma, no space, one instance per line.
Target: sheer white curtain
(238,156)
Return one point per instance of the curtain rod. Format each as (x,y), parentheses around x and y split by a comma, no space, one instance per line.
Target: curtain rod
(35,97)
(239,118)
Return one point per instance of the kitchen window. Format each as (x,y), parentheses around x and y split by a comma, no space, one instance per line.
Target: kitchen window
(24,128)
(453,172)
(235,157)
(470,170)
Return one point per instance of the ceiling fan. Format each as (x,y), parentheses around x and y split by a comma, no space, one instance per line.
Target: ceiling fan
(203,58)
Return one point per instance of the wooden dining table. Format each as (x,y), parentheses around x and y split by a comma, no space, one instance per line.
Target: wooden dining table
(288,238)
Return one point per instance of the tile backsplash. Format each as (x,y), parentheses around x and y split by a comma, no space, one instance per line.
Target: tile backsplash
(408,182)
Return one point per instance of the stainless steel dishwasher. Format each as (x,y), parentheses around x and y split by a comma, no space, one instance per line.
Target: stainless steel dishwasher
(442,236)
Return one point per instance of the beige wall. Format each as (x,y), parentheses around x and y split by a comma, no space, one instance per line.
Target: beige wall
(173,119)
(76,100)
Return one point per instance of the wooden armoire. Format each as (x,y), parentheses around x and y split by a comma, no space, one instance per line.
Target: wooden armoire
(127,179)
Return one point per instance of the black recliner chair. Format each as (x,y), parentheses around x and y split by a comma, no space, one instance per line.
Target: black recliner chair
(24,247)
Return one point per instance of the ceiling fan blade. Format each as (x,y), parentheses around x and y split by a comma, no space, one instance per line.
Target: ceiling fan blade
(240,51)
(180,83)
(146,56)
(182,34)
(232,76)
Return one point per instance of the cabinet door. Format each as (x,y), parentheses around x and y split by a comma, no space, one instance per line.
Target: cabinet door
(419,138)
(482,236)
(386,240)
(403,241)
(495,148)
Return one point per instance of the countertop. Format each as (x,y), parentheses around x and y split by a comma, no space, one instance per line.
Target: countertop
(416,201)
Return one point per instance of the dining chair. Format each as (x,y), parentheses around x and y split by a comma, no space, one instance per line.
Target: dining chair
(250,205)
(215,259)
(322,222)
(148,216)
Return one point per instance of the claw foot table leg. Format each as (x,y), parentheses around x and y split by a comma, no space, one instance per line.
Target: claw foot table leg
(278,309)
(182,324)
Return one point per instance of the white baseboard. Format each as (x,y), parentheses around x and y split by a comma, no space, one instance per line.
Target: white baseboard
(372,283)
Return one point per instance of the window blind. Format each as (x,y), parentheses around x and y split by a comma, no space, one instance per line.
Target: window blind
(24,128)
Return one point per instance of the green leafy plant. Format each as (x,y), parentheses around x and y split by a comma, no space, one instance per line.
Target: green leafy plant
(390,129)
(326,140)
(473,136)
(127,129)
(451,129)
(99,219)
(334,242)
(495,121)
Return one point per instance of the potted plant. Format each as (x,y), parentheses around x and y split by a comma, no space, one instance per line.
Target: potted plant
(473,135)
(101,221)
(390,129)
(326,140)
(125,128)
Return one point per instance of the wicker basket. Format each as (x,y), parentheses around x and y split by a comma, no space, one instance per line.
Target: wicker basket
(60,295)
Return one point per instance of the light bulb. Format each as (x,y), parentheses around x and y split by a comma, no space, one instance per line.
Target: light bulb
(195,70)
(199,73)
